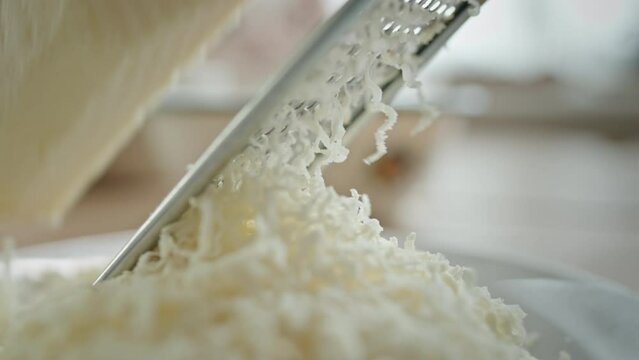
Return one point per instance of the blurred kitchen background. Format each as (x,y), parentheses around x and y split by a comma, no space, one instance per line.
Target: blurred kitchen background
(536,151)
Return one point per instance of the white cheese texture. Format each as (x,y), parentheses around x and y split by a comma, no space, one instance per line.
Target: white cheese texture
(75,79)
(270,263)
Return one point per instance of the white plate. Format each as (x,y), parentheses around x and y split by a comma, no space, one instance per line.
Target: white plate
(584,315)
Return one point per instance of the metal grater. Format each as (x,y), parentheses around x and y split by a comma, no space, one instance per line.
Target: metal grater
(332,60)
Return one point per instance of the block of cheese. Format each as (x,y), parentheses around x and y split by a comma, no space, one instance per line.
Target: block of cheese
(75,79)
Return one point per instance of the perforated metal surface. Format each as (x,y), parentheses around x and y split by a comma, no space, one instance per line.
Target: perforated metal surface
(353,64)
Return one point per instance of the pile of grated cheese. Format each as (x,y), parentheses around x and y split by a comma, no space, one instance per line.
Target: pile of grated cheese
(270,263)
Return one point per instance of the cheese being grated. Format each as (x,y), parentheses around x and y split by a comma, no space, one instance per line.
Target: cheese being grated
(76,78)
(270,263)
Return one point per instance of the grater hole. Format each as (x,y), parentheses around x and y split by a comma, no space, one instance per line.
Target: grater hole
(312,105)
(354,50)
(334,78)
(351,80)
(388,27)
(426,4)
(296,104)
(269,131)
(435,5)
(440,10)
(449,12)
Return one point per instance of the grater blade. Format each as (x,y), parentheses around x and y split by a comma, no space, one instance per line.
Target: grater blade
(432,21)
